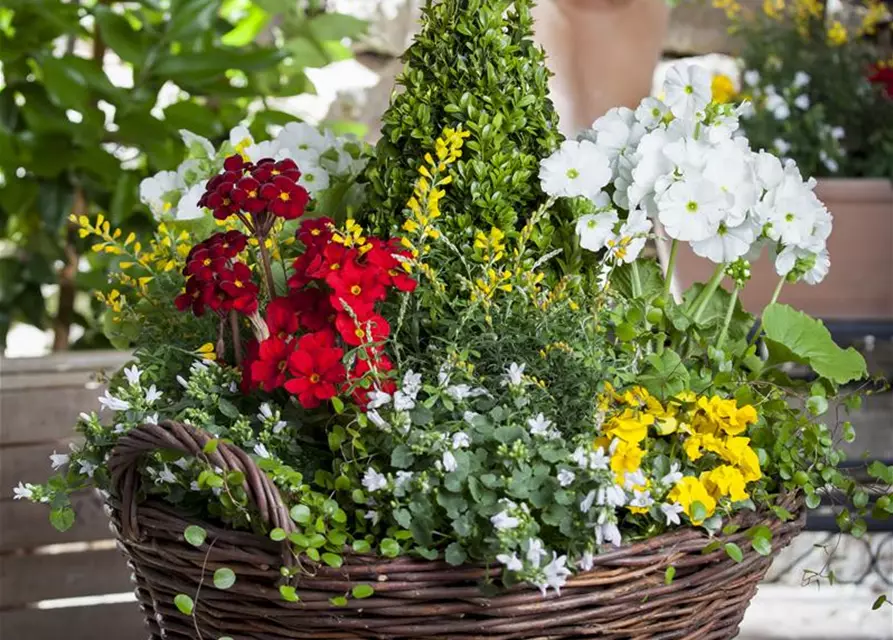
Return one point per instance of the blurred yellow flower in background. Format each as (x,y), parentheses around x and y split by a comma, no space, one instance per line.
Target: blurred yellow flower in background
(723,88)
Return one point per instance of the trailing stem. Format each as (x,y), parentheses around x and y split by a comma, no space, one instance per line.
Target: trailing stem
(759,325)
(237,338)
(671,266)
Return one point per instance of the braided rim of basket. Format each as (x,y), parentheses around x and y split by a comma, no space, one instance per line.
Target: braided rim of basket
(126,481)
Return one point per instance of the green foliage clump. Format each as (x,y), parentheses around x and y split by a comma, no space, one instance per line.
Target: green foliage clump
(473,65)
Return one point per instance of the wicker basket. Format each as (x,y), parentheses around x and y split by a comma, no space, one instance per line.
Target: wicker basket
(624,596)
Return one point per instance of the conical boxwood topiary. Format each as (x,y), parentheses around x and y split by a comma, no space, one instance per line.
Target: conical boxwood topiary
(473,65)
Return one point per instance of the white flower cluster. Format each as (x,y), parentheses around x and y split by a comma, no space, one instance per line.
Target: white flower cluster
(321,156)
(683,163)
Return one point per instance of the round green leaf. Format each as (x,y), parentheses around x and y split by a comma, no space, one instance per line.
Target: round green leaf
(288,593)
(333,560)
(362,591)
(278,535)
(300,513)
(734,551)
(762,545)
(390,548)
(184,603)
(224,578)
(195,535)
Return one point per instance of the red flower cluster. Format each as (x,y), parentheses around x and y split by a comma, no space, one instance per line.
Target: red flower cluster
(334,291)
(882,74)
(258,188)
(215,279)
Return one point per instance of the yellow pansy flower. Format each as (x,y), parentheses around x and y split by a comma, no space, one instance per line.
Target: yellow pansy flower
(629,426)
(627,457)
(725,480)
(687,492)
(696,444)
(738,452)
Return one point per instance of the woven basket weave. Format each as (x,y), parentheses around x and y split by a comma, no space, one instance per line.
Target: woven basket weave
(623,596)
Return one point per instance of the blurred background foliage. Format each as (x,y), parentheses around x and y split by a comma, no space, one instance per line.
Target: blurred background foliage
(92,96)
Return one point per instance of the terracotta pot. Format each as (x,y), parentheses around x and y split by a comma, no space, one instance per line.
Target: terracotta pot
(859,285)
(603,54)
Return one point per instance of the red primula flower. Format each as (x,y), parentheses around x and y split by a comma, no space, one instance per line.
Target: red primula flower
(237,284)
(314,310)
(250,356)
(316,232)
(246,194)
(329,260)
(883,76)
(229,244)
(218,195)
(282,318)
(193,297)
(270,368)
(285,197)
(384,255)
(316,369)
(357,332)
(267,169)
(357,287)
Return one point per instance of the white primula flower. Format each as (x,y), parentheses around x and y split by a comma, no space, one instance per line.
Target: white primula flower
(539,425)
(187,205)
(730,166)
(261,450)
(778,106)
(802,102)
(566,477)
(751,77)
(801,79)
(769,170)
(87,468)
(651,112)
(449,462)
(461,440)
(536,552)
(651,165)
(594,229)
(555,574)
(374,481)
(575,169)
(152,395)
(728,244)
(671,512)
(133,375)
(791,255)
(23,491)
(302,137)
(688,90)
(197,146)
(510,562)
(313,178)
(691,210)
(616,133)
(503,521)
(629,241)
(514,375)
(688,156)
(160,191)
(261,150)
(240,139)
(59,460)
(108,401)
(608,532)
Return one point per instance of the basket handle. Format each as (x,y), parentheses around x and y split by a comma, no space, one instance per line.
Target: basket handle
(123,465)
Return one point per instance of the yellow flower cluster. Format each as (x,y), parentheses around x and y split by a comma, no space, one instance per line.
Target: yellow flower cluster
(492,246)
(702,424)
(876,13)
(837,34)
(722,88)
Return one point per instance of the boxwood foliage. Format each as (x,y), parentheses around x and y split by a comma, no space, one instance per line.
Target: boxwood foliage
(473,65)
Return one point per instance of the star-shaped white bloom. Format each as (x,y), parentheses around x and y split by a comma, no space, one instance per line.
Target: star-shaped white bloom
(109,401)
(536,552)
(514,375)
(461,440)
(23,491)
(691,210)
(153,395)
(688,90)
(261,450)
(502,521)
(510,562)
(617,133)
(133,375)
(577,168)
(566,477)
(608,532)
(59,460)
(555,574)
(374,481)
(671,512)
(449,462)
(594,229)
(539,425)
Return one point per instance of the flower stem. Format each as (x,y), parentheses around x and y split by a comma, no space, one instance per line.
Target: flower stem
(759,325)
(707,292)
(636,280)
(728,319)
(777,291)
(268,271)
(671,266)
(237,338)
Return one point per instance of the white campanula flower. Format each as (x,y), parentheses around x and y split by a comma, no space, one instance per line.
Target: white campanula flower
(461,440)
(536,552)
(673,476)
(448,460)
(671,512)
(539,425)
(815,265)
(119,428)
(617,132)
(594,229)
(265,412)
(566,477)
(133,375)
(514,375)
(182,382)
(403,401)
(261,451)
(802,102)
(87,468)
(23,491)
(635,478)
(59,460)
(470,416)
(586,561)
(608,532)
(751,77)
(503,521)
(510,562)
(801,79)
(555,574)
(197,146)
(692,209)
(641,499)
(402,479)
(166,475)
(160,192)
(728,244)
(378,399)
(591,460)
(461,392)
(153,395)
(587,502)
(109,401)
(611,496)
(374,481)
(444,373)
(372,516)
(837,133)
(651,112)
(182,463)
(412,383)
(829,162)
(688,90)
(376,419)
(778,106)
(577,168)
(627,244)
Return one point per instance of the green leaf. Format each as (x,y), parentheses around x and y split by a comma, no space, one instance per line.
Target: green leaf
(390,548)
(54,202)
(228,409)
(195,535)
(361,546)
(455,554)
(248,28)
(762,545)
(288,593)
(187,114)
(338,405)
(734,551)
(794,336)
(881,599)
(211,446)
(335,26)
(665,375)
(224,578)
(190,18)
(300,513)
(402,456)
(332,559)
(62,518)
(184,603)
(278,535)
(338,601)
(131,46)
(698,511)
(669,574)
(362,591)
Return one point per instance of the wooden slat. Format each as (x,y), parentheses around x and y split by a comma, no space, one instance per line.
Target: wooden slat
(29,463)
(100,360)
(24,525)
(42,415)
(112,621)
(31,578)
